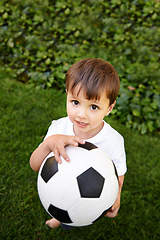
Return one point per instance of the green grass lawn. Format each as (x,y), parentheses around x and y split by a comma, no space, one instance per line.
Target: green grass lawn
(25,115)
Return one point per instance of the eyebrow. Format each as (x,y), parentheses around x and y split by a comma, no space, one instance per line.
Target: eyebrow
(94,101)
(73,96)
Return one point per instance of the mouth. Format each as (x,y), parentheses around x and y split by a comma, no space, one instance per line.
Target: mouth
(82,124)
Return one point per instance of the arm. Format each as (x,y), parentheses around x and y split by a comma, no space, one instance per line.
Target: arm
(55,143)
(114,209)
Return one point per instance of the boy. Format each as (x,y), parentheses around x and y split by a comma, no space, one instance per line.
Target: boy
(92,86)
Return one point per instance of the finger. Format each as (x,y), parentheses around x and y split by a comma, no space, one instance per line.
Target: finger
(75,141)
(63,153)
(79,140)
(112,208)
(57,156)
(111,214)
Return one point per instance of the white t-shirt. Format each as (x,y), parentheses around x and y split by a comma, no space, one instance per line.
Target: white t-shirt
(107,139)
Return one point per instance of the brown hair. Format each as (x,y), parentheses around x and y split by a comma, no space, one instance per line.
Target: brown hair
(94,75)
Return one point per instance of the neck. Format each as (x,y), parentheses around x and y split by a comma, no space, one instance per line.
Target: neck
(89,134)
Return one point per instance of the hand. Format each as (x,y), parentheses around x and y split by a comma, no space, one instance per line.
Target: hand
(113,212)
(57,143)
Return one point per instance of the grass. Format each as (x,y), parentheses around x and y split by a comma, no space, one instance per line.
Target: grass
(25,114)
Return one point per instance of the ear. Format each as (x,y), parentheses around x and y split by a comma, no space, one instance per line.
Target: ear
(110,108)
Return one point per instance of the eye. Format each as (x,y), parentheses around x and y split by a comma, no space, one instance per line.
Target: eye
(94,107)
(75,102)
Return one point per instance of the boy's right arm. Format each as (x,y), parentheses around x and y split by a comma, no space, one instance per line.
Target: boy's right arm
(55,143)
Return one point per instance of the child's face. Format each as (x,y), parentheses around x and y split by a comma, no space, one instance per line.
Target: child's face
(87,115)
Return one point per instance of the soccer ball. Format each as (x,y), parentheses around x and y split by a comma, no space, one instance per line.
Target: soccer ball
(79,192)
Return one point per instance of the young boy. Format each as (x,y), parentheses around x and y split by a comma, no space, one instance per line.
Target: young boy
(92,86)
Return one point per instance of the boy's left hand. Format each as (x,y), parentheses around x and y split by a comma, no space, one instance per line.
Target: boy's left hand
(113,212)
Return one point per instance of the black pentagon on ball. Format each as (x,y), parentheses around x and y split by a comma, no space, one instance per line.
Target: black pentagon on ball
(88,146)
(49,169)
(90,183)
(60,214)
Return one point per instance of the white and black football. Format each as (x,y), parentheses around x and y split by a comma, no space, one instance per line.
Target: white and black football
(79,192)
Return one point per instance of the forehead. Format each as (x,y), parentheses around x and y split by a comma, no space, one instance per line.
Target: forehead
(89,93)
(80,93)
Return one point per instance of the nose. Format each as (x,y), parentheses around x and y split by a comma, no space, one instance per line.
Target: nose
(82,113)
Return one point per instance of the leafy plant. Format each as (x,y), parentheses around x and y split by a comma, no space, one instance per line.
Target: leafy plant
(40,40)
(139,107)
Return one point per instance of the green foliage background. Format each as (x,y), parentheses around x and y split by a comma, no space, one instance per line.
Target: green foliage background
(41,39)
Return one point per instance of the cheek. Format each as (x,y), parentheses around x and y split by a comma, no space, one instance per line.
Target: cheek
(99,119)
(96,119)
(70,110)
